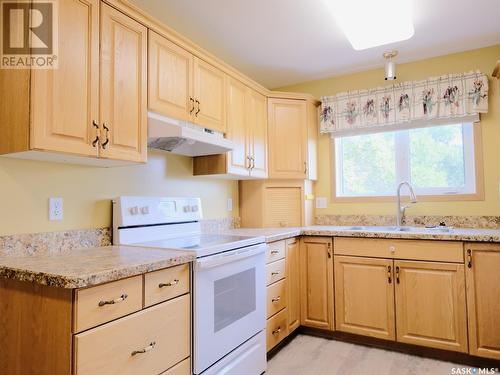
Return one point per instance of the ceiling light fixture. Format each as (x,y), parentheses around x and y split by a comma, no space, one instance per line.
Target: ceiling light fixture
(372,23)
(390,66)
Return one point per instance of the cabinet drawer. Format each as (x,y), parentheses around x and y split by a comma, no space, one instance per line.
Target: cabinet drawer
(183,368)
(275,251)
(276,298)
(147,342)
(165,284)
(439,251)
(103,303)
(275,271)
(277,329)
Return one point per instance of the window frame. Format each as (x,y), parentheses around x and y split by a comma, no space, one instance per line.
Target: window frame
(432,194)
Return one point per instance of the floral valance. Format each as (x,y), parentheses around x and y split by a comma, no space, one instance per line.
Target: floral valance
(406,105)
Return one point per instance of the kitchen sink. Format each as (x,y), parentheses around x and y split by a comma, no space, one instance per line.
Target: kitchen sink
(398,229)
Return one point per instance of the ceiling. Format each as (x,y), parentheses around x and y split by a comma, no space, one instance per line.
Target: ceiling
(282,42)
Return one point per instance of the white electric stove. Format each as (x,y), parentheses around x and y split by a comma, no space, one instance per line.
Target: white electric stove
(228,279)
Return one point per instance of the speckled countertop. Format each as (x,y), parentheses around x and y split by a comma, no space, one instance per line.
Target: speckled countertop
(456,234)
(90,266)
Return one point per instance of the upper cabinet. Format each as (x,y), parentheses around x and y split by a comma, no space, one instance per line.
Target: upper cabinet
(123,96)
(185,87)
(92,108)
(292,139)
(246,111)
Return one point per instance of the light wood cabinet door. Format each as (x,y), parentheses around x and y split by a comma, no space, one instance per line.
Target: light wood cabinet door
(237,130)
(123,101)
(483,298)
(292,261)
(65,101)
(169,77)
(287,138)
(312,141)
(257,128)
(364,296)
(282,207)
(210,94)
(430,304)
(316,282)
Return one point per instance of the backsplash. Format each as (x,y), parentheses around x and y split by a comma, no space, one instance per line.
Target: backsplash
(485,222)
(65,241)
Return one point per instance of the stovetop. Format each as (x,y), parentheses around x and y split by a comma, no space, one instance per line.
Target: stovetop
(204,244)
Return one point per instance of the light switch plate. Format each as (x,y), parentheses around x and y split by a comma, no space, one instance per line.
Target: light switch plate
(56,209)
(321,202)
(229,204)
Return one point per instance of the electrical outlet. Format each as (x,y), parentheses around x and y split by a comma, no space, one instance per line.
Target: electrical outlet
(55,209)
(229,204)
(321,202)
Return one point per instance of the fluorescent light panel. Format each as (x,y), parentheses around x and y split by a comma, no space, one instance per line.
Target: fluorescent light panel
(372,23)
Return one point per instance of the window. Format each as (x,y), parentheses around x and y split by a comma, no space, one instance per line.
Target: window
(437,160)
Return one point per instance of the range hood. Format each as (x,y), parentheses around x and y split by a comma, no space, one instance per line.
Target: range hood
(185,138)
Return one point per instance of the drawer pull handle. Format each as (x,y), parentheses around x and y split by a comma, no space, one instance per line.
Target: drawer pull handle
(144,350)
(276,299)
(275,273)
(274,252)
(276,331)
(122,298)
(171,283)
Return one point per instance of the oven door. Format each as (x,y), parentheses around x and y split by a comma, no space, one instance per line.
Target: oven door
(229,303)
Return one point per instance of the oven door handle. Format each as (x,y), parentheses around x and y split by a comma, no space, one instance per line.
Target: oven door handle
(230,256)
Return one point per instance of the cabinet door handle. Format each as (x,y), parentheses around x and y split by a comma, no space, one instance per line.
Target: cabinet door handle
(275,273)
(105,143)
(252,159)
(329,250)
(198,110)
(170,283)
(122,298)
(389,274)
(397,274)
(469,258)
(276,299)
(305,167)
(95,142)
(274,252)
(144,350)
(192,103)
(276,331)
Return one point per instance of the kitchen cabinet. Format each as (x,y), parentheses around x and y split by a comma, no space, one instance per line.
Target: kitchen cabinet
(123,87)
(102,329)
(247,127)
(292,127)
(293,282)
(276,203)
(364,296)
(92,108)
(482,265)
(316,282)
(430,304)
(183,86)
(169,78)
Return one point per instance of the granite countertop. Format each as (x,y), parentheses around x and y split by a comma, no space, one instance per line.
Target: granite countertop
(456,234)
(90,266)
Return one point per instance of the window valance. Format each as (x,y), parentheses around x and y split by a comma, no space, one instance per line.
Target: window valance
(412,104)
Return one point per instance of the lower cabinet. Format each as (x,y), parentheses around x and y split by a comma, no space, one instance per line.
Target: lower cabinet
(364,296)
(316,282)
(430,304)
(482,273)
(293,282)
(283,291)
(139,343)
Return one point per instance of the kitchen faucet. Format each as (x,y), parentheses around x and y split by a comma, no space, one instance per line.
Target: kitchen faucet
(400,216)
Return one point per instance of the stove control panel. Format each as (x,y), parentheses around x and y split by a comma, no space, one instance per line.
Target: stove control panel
(132,211)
